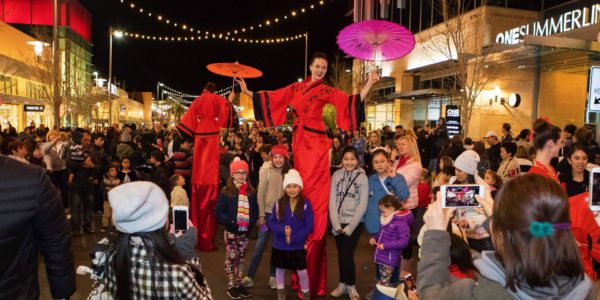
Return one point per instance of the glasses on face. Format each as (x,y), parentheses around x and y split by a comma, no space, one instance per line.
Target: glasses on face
(240,173)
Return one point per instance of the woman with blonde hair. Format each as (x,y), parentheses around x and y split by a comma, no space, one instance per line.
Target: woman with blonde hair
(54,151)
(407,162)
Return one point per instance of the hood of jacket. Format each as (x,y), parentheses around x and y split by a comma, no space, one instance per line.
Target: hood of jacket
(562,288)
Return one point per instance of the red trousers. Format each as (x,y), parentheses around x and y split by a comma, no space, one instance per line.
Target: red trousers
(311,159)
(202,214)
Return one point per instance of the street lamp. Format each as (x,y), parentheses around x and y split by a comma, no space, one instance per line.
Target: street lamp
(38,47)
(117,34)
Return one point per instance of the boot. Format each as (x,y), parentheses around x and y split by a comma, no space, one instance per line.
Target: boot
(306,295)
(280,294)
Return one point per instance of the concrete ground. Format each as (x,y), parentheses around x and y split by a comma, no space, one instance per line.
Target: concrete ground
(213,267)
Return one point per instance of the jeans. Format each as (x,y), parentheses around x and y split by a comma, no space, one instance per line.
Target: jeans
(82,199)
(346,246)
(60,178)
(263,238)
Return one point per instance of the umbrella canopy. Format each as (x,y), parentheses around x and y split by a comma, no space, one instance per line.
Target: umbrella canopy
(376,40)
(234,70)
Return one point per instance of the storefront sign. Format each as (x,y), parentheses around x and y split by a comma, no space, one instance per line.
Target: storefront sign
(35,108)
(453,120)
(567,21)
(594,93)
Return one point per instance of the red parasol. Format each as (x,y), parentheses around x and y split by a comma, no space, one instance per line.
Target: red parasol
(376,40)
(234,70)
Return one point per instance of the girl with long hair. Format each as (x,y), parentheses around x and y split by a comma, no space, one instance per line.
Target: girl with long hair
(141,261)
(536,254)
(291,222)
(348,201)
(237,211)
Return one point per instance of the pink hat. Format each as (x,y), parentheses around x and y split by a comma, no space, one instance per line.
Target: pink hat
(238,164)
(279,149)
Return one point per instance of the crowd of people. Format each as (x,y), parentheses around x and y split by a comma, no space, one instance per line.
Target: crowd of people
(385,182)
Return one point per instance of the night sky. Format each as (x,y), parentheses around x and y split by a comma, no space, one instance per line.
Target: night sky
(182,65)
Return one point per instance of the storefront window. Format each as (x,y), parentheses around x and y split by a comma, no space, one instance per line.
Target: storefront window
(380,115)
(9,114)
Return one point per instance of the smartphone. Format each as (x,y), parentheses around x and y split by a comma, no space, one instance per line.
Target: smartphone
(594,194)
(461,195)
(410,283)
(180,218)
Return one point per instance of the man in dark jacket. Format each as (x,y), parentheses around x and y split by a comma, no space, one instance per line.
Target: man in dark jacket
(32,220)
(493,152)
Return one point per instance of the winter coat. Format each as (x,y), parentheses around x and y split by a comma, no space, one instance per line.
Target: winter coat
(301,228)
(33,221)
(161,175)
(270,188)
(394,236)
(395,185)
(509,168)
(55,155)
(352,209)
(412,174)
(227,208)
(434,280)
(132,176)
(179,197)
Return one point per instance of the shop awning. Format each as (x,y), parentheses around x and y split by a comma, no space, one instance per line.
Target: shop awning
(13,99)
(423,94)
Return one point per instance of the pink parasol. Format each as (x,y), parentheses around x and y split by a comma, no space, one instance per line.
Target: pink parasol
(376,40)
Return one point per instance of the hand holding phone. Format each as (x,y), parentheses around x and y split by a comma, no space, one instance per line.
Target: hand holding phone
(461,195)
(180,218)
(410,283)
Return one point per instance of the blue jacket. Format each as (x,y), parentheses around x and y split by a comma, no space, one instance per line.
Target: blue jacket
(301,228)
(396,185)
(226,212)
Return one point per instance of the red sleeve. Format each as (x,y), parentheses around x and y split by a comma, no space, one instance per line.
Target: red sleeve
(189,121)
(350,110)
(270,107)
(226,113)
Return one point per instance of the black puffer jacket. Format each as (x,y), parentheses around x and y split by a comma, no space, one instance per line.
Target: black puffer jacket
(31,220)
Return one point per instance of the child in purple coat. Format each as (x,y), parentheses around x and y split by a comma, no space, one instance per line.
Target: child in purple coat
(291,222)
(392,238)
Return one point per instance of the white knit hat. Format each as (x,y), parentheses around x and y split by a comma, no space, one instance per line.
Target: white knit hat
(467,162)
(292,176)
(139,206)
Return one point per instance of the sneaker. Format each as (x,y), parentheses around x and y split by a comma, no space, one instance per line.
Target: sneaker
(243,292)
(273,283)
(352,293)
(247,282)
(233,293)
(339,291)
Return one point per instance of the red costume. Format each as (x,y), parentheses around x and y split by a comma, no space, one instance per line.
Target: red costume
(310,146)
(203,119)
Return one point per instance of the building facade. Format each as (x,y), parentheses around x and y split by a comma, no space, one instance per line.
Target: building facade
(542,57)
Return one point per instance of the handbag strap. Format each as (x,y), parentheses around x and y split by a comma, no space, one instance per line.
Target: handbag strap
(346,193)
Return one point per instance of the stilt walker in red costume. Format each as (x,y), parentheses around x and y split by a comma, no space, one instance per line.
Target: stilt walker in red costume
(202,121)
(311,145)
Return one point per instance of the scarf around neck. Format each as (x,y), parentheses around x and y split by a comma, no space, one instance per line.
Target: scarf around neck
(243,209)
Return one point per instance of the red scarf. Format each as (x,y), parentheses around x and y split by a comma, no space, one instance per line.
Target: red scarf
(456,272)
(403,160)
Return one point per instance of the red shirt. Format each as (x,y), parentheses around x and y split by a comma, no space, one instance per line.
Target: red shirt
(539,168)
(424,193)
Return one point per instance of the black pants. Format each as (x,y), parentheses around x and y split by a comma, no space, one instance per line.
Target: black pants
(346,246)
(60,180)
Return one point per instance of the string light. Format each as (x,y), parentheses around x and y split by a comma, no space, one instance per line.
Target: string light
(268,22)
(220,36)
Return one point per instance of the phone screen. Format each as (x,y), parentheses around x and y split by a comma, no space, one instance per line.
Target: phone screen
(462,196)
(595,201)
(180,219)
